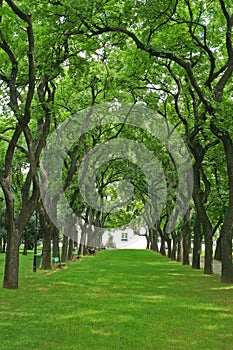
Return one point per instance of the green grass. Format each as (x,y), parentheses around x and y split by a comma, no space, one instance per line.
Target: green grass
(126,300)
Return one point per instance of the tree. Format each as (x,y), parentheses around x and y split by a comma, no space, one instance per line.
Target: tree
(22,114)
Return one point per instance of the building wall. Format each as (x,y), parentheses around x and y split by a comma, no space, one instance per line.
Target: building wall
(123,239)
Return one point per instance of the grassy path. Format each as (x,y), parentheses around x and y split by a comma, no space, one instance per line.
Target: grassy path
(126,300)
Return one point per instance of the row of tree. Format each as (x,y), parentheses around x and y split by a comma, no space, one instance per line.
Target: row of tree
(176,58)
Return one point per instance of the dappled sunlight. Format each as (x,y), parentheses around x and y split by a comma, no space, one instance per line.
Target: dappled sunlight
(17,313)
(64,283)
(90,312)
(223,288)
(153,298)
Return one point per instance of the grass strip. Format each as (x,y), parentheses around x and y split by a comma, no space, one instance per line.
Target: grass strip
(120,299)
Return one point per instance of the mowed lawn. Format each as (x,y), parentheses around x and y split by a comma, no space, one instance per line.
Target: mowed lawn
(120,299)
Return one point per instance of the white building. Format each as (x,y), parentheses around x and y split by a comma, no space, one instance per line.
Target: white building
(123,239)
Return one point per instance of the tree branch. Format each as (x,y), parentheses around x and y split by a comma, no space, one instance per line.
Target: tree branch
(18,12)
(20,148)
(159,54)
(218,91)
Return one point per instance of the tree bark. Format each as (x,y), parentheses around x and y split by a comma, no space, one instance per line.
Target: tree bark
(11,275)
(163,245)
(154,239)
(186,234)
(227,268)
(180,247)
(147,241)
(169,247)
(197,238)
(208,267)
(70,249)
(218,250)
(46,251)
(55,238)
(82,245)
(64,248)
(227,228)
(4,244)
(199,200)
(174,246)
(46,233)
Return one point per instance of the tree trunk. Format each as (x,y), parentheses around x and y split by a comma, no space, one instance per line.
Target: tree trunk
(208,267)
(55,237)
(46,251)
(11,275)
(99,235)
(227,268)
(70,249)
(169,247)
(218,250)
(186,234)
(15,228)
(186,249)
(64,248)
(154,239)
(180,247)
(197,238)
(91,238)
(174,246)
(227,228)
(163,245)
(199,200)
(147,241)
(4,244)
(46,233)
(82,245)
(70,238)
